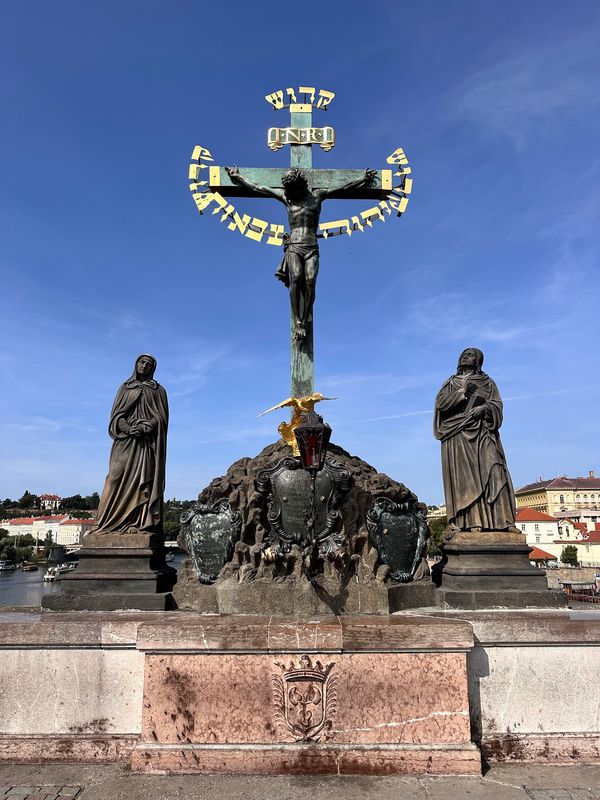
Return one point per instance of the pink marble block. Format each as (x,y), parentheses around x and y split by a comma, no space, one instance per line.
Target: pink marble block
(334,713)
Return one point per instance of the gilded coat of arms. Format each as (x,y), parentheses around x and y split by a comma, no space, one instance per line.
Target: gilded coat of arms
(305,699)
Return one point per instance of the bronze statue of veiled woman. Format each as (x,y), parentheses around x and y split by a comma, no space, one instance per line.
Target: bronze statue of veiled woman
(468,416)
(132,498)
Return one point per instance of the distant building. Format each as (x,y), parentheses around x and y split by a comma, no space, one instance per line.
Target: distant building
(585,518)
(551,535)
(49,502)
(72,531)
(557,495)
(19,526)
(437,513)
(42,526)
(38,527)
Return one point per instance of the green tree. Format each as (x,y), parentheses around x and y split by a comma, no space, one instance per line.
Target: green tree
(92,501)
(48,542)
(23,554)
(75,502)
(569,555)
(7,551)
(437,527)
(29,500)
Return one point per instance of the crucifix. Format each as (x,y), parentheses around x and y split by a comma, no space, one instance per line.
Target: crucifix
(302,189)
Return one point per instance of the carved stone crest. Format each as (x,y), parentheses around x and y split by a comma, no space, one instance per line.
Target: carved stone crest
(305,699)
(287,489)
(210,533)
(398,531)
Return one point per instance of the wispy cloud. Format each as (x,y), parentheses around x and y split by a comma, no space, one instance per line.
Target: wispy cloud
(537,88)
(387,417)
(125,323)
(380,383)
(454,317)
(44,425)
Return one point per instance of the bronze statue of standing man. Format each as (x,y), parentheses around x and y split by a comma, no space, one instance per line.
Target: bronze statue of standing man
(468,415)
(300,264)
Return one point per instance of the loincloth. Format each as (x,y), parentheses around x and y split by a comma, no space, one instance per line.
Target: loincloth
(305,251)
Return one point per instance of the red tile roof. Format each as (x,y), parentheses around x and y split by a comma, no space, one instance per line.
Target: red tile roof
(541,555)
(49,497)
(21,521)
(561,482)
(531,515)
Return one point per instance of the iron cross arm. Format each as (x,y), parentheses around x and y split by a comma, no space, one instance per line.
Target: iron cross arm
(378,189)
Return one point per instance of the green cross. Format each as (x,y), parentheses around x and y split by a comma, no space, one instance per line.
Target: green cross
(301,350)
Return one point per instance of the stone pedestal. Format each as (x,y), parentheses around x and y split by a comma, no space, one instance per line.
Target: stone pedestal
(340,695)
(490,569)
(297,596)
(117,571)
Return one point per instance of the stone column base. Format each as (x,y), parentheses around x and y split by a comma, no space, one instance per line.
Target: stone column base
(489,569)
(274,696)
(117,571)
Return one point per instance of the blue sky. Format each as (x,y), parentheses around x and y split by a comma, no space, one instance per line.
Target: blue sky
(104,256)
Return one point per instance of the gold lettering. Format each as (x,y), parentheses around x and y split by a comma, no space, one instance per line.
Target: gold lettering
(203,200)
(397,157)
(407,187)
(261,225)
(328,228)
(291,94)
(239,223)
(310,90)
(275,234)
(398,203)
(193,173)
(325,98)
(357,225)
(275,99)
(370,214)
(203,153)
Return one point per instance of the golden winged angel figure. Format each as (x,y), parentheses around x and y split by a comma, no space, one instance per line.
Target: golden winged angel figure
(299,406)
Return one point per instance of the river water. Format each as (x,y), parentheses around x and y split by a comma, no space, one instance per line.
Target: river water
(26,588)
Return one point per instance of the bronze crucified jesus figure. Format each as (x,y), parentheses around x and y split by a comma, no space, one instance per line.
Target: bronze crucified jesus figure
(300,264)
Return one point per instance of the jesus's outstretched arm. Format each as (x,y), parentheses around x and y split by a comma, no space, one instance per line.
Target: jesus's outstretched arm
(257,188)
(340,191)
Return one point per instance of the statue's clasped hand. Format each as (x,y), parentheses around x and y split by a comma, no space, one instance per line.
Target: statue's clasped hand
(141,427)
(232,171)
(370,175)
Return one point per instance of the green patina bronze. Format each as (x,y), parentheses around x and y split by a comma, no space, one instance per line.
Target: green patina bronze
(302,195)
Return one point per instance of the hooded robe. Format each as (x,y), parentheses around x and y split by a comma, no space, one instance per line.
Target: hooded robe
(133,493)
(477,484)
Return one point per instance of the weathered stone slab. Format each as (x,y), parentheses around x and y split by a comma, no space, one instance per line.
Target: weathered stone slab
(294,759)
(189,698)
